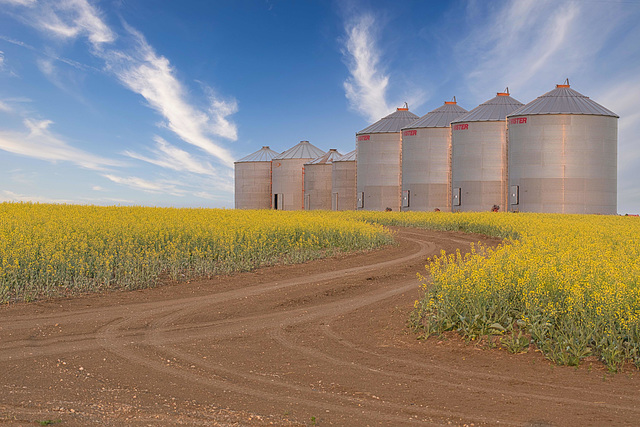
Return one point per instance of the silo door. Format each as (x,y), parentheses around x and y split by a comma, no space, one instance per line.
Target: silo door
(455,197)
(278,202)
(514,195)
(405,198)
(334,201)
(307,202)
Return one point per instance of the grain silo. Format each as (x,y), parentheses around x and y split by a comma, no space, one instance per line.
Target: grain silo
(343,183)
(288,176)
(253,180)
(479,175)
(426,160)
(379,172)
(317,181)
(563,155)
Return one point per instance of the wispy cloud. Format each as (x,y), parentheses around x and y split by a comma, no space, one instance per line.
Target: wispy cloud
(1,60)
(624,99)
(366,88)
(368,85)
(143,71)
(4,107)
(168,156)
(152,76)
(19,2)
(68,19)
(40,143)
(219,110)
(209,196)
(10,196)
(49,55)
(532,44)
(159,186)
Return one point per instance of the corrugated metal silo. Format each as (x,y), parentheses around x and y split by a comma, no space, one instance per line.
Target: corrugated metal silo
(343,185)
(479,175)
(563,151)
(426,160)
(379,172)
(288,176)
(253,180)
(317,181)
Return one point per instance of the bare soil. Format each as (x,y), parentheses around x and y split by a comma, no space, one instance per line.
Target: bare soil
(322,343)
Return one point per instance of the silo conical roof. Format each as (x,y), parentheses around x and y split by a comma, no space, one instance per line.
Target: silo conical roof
(302,150)
(495,109)
(265,154)
(563,100)
(327,158)
(392,123)
(349,157)
(441,117)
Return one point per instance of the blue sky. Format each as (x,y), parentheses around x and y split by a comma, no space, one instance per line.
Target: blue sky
(149,102)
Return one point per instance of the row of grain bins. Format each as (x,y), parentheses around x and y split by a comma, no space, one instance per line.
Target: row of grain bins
(557,154)
(302,177)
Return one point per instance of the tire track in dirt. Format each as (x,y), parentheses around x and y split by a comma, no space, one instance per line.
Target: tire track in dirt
(323,341)
(219,375)
(56,345)
(157,337)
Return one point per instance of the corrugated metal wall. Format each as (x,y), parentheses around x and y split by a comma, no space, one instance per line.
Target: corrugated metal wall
(425,169)
(253,185)
(317,186)
(479,165)
(564,163)
(288,183)
(343,188)
(378,171)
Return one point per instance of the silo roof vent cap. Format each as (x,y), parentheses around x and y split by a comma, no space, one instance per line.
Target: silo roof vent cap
(565,84)
(405,107)
(505,93)
(452,102)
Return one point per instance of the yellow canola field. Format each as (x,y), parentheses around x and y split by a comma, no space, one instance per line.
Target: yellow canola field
(570,283)
(48,250)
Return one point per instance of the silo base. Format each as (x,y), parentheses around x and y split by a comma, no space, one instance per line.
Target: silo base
(379,198)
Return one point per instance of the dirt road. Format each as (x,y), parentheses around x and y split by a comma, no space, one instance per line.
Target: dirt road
(323,343)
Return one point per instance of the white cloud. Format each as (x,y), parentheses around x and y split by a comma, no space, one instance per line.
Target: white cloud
(1,60)
(40,143)
(152,76)
(171,157)
(531,45)
(208,196)
(10,196)
(47,68)
(624,99)
(220,109)
(69,19)
(4,107)
(28,3)
(367,86)
(160,186)
(192,187)
(143,71)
